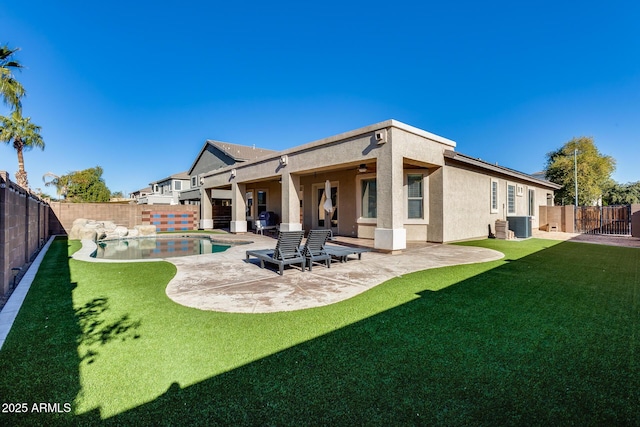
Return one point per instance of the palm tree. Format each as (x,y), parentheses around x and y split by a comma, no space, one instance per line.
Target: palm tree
(25,136)
(11,91)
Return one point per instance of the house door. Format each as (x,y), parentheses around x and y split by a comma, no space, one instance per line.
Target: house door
(324,219)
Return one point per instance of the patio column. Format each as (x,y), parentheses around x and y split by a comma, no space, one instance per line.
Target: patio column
(238,208)
(390,234)
(206,209)
(290,203)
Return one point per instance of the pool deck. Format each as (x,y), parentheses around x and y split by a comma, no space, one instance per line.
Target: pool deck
(226,282)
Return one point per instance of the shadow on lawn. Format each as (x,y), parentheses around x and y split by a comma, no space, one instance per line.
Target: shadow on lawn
(535,341)
(46,373)
(531,342)
(96,331)
(46,377)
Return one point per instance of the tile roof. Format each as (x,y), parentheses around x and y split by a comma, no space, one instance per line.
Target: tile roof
(240,152)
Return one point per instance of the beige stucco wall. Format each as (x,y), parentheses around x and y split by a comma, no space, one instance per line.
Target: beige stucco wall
(456,195)
(467,202)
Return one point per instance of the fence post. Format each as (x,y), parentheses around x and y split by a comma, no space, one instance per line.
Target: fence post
(635,220)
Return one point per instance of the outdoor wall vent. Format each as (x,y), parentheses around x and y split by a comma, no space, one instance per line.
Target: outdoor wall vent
(381,136)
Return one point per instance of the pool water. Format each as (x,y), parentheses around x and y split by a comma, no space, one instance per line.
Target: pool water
(157,247)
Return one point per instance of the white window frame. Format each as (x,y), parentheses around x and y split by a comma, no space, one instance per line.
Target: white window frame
(194,181)
(515,208)
(425,186)
(266,201)
(420,198)
(531,202)
(359,179)
(175,185)
(494,196)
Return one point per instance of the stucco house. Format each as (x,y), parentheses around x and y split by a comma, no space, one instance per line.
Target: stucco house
(215,155)
(389,182)
(166,191)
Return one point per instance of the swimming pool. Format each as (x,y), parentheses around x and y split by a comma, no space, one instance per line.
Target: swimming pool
(157,247)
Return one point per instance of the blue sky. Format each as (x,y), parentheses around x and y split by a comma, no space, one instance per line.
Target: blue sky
(137,87)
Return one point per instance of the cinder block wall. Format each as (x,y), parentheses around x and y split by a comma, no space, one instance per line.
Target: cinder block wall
(561,215)
(24,228)
(128,215)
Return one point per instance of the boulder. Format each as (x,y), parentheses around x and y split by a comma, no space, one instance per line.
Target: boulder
(80,221)
(87,233)
(121,231)
(146,230)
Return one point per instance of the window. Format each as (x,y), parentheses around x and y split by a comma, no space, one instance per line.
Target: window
(414,196)
(369,198)
(194,181)
(532,203)
(494,196)
(177,185)
(249,199)
(511,199)
(262,201)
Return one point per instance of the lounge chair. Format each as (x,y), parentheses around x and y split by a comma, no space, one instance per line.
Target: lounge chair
(314,248)
(342,252)
(287,251)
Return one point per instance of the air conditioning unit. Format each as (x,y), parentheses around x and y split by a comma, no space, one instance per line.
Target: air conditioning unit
(520,225)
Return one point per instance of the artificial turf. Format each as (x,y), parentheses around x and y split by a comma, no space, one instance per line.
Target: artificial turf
(547,335)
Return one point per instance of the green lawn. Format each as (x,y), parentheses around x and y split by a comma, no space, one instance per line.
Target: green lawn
(549,335)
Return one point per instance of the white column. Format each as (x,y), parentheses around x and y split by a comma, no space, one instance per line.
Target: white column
(206,209)
(238,208)
(290,203)
(390,234)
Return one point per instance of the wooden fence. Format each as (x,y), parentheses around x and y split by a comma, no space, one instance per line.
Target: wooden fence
(603,220)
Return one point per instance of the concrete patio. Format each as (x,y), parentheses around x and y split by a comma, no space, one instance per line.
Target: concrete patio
(226,282)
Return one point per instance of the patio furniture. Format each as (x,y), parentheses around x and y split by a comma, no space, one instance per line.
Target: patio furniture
(342,252)
(286,252)
(267,221)
(314,248)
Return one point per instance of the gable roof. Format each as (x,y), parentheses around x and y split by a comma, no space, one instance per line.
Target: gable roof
(179,175)
(240,152)
(237,152)
(472,161)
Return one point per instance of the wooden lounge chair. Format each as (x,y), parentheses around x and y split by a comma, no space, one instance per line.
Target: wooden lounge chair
(287,251)
(314,248)
(342,252)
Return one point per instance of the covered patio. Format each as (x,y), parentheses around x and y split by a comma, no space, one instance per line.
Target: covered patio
(385,185)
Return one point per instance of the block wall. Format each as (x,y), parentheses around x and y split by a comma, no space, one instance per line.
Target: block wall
(24,220)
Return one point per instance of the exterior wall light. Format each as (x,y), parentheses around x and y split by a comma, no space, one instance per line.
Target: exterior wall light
(362,168)
(284,159)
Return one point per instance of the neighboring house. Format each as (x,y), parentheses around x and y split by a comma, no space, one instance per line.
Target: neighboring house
(166,191)
(136,195)
(389,182)
(215,155)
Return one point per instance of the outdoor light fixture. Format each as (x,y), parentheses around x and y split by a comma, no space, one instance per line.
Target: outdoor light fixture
(233,173)
(284,159)
(362,168)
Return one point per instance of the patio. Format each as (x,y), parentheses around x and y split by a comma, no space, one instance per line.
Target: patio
(226,282)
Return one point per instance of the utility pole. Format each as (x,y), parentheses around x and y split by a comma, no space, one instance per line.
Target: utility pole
(575,172)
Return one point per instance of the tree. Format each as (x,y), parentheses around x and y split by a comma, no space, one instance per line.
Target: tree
(82,186)
(11,90)
(25,136)
(594,171)
(621,194)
